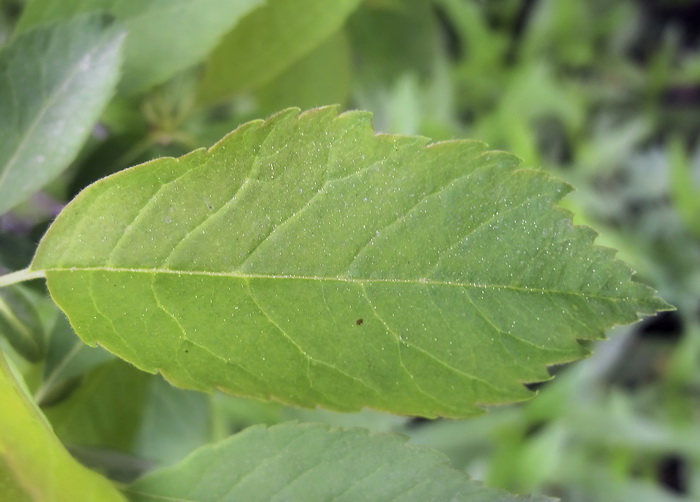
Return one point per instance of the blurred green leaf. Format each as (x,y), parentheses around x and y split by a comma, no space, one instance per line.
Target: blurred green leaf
(371,420)
(481,73)
(20,322)
(468,443)
(56,81)
(561,30)
(533,94)
(340,464)
(394,39)
(32,460)
(119,408)
(165,36)
(105,410)
(11,489)
(323,77)
(590,482)
(609,144)
(173,423)
(268,41)
(67,359)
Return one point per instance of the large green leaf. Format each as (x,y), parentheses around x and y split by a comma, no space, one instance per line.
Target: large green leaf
(165,36)
(33,463)
(269,41)
(305,259)
(54,83)
(310,463)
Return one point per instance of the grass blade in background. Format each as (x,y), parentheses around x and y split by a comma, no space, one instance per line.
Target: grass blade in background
(54,83)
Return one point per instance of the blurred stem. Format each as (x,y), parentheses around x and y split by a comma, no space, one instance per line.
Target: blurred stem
(684,190)
(167,137)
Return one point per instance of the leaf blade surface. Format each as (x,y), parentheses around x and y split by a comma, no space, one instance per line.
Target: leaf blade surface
(306,259)
(314,462)
(56,80)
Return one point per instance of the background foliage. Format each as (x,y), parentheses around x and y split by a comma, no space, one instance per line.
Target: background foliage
(604,94)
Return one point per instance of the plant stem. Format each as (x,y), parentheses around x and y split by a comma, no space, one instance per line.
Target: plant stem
(20,276)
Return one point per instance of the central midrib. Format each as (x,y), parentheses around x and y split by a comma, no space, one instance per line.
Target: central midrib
(357,280)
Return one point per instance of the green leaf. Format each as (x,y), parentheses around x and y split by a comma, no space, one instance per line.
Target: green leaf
(314,462)
(119,408)
(165,36)
(33,463)
(320,78)
(105,410)
(391,40)
(11,488)
(20,322)
(308,260)
(172,413)
(269,41)
(67,359)
(55,83)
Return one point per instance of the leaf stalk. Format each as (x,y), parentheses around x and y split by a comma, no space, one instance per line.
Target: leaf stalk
(20,276)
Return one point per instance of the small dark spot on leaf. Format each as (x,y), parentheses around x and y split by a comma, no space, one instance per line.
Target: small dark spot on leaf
(359,322)
(187,351)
